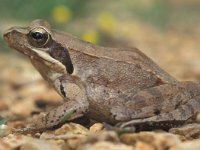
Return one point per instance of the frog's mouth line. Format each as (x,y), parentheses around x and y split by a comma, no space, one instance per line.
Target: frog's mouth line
(44,57)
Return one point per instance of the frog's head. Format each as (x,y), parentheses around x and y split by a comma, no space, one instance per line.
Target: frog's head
(38,43)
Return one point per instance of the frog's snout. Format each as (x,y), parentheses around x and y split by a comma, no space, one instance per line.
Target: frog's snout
(14,34)
(6,35)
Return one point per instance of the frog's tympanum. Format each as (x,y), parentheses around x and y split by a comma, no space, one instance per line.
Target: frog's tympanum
(112,85)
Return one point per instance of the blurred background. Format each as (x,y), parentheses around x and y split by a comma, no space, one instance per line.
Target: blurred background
(166,30)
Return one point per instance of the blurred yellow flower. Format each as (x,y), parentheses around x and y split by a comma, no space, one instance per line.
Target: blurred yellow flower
(129,28)
(106,21)
(91,36)
(61,14)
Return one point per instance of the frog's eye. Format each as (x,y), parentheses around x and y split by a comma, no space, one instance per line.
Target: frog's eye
(38,37)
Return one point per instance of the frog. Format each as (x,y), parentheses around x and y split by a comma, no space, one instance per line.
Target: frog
(119,86)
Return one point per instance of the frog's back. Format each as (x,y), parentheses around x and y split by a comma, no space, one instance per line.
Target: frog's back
(135,56)
(128,55)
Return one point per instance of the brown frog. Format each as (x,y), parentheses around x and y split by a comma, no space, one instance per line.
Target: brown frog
(112,85)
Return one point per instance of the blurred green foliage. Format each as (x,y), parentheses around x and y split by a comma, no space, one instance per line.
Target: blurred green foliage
(33,9)
(28,10)
(85,18)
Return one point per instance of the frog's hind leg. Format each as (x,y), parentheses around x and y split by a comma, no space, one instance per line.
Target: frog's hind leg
(165,121)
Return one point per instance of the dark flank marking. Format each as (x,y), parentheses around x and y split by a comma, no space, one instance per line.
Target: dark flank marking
(156,112)
(62,90)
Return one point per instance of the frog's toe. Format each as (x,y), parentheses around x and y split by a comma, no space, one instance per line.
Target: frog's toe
(108,126)
(25,130)
(119,129)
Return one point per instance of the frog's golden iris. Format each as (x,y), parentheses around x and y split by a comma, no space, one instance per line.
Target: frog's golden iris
(38,37)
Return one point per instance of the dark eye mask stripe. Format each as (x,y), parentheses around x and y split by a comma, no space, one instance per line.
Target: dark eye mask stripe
(61,54)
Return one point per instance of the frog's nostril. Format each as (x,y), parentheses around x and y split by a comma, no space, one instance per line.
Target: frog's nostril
(9,33)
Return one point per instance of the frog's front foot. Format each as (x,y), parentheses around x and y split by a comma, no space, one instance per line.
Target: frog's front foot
(26,130)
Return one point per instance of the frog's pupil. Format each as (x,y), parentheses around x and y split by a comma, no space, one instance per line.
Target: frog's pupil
(37,35)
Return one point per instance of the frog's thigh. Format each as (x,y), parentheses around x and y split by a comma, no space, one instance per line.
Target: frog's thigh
(164,102)
(146,103)
(172,118)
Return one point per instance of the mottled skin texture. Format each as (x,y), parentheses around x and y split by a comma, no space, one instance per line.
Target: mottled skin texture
(113,85)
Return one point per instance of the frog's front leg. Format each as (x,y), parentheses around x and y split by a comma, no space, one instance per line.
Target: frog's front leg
(75,107)
(162,107)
